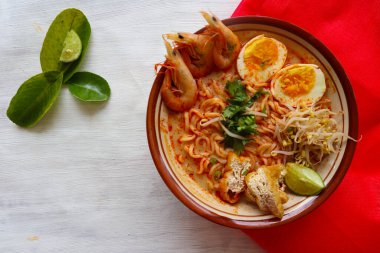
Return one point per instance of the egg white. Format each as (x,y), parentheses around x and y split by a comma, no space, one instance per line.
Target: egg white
(310,98)
(261,76)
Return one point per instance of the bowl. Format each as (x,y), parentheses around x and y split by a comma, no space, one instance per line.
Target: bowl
(332,169)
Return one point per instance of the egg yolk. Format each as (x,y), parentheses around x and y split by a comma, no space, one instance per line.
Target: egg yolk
(260,54)
(298,81)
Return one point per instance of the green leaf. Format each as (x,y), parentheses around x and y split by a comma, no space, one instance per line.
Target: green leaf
(69,19)
(246,125)
(236,144)
(256,96)
(237,92)
(34,98)
(88,86)
(217,174)
(213,160)
(235,119)
(243,125)
(245,172)
(232,110)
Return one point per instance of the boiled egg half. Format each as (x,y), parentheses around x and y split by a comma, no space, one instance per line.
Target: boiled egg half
(298,84)
(260,59)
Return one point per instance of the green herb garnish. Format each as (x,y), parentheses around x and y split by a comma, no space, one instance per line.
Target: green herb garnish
(236,144)
(241,124)
(237,92)
(62,53)
(234,117)
(256,96)
(217,174)
(232,110)
(213,160)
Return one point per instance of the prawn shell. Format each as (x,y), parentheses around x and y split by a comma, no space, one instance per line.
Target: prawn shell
(172,101)
(198,57)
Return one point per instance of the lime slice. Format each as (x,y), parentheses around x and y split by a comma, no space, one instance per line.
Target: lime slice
(303,180)
(72,47)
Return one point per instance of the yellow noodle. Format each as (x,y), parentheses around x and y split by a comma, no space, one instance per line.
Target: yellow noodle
(193,124)
(212,102)
(205,140)
(198,125)
(214,168)
(204,92)
(190,150)
(181,159)
(212,114)
(220,151)
(186,138)
(187,121)
(202,165)
(196,112)
(201,143)
(260,85)
(264,103)
(250,89)
(217,89)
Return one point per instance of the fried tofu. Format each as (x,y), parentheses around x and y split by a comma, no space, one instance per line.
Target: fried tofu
(263,187)
(232,184)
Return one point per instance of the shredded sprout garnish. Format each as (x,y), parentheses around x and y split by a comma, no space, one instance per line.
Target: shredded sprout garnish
(249,112)
(309,133)
(209,122)
(228,132)
(281,152)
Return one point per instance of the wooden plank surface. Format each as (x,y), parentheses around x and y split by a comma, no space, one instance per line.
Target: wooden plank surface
(83,179)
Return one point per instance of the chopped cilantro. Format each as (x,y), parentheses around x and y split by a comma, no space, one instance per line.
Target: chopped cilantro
(237,92)
(213,160)
(246,125)
(235,119)
(217,174)
(236,144)
(245,172)
(256,96)
(232,110)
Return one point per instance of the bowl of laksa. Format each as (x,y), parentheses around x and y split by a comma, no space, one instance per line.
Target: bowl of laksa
(251,121)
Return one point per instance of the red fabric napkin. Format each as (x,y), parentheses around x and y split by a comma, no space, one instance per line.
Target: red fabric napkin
(349,221)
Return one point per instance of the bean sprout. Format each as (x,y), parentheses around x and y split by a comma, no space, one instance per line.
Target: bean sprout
(309,133)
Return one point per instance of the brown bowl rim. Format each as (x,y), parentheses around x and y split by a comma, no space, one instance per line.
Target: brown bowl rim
(304,210)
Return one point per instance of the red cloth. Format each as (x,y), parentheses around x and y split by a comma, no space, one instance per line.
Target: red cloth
(349,221)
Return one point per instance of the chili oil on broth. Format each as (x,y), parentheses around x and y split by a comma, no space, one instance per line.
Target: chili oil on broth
(184,167)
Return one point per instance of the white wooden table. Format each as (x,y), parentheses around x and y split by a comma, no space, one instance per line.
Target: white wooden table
(83,179)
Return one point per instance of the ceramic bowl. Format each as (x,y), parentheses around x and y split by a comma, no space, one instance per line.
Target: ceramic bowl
(332,170)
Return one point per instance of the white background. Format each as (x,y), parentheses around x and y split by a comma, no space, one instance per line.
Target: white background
(83,179)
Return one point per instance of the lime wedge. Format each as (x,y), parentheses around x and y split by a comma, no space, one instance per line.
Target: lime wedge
(303,180)
(72,47)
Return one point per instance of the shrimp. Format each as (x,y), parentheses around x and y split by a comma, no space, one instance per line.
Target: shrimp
(179,89)
(227,44)
(196,51)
